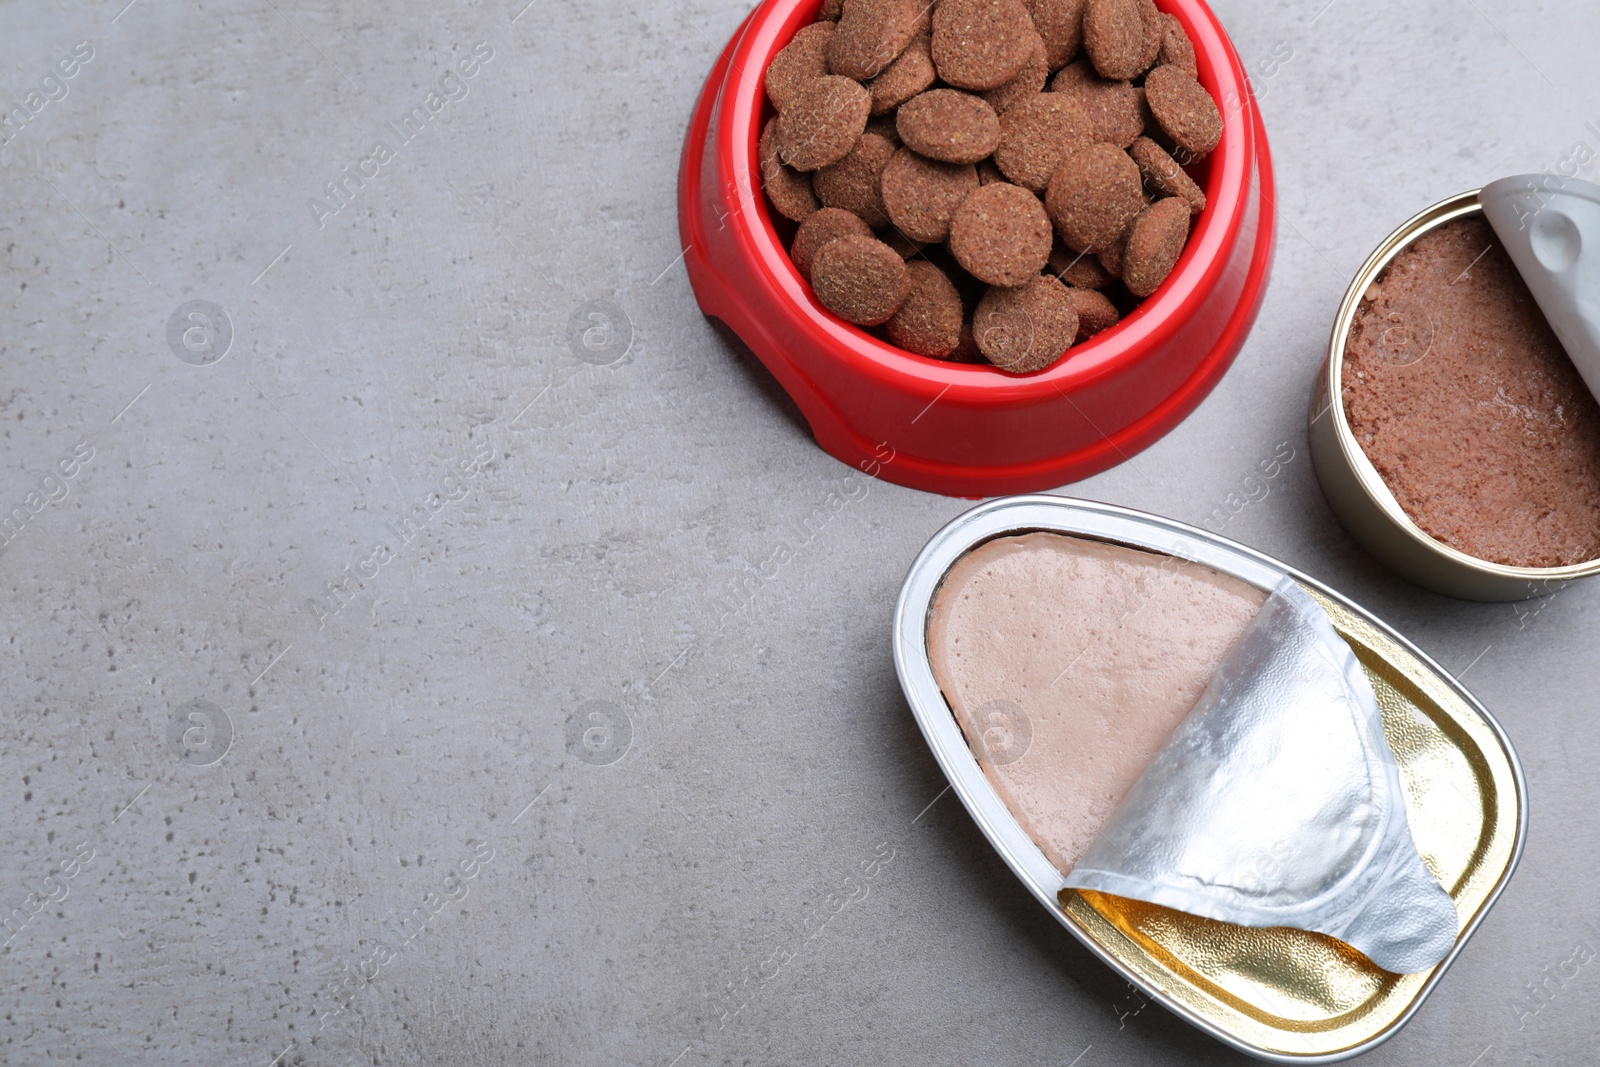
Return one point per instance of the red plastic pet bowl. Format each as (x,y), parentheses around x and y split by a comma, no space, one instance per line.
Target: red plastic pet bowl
(964,429)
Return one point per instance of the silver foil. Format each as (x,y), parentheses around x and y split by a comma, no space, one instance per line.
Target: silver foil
(1549,227)
(1276,802)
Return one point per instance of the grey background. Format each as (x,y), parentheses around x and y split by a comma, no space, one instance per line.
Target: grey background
(759,877)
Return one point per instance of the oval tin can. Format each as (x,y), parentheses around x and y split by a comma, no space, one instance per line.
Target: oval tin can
(1284,996)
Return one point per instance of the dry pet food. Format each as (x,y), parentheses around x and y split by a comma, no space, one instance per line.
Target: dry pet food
(1154,242)
(981,44)
(1093,196)
(1027,328)
(803,60)
(870,34)
(1163,175)
(929,322)
(855,182)
(824,120)
(1078,269)
(1184,110)
(1001,235)
(1114,37)
(818,229)
(921,194)
(987,180)
(860,279)
(788,189)
(947,125)
(1113,107)
(910,73)
(1028,82)
(1060,24)
(1176,48)
(1037,134)
(1095,312)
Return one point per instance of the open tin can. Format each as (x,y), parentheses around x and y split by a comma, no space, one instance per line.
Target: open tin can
(1281,995)
(1357,493)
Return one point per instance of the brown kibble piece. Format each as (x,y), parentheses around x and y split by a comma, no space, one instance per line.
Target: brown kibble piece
(1113,37)
(1027,328)
(1155,241)
(820,227)
(1147,121)
(1078,269)
(1028,82)
(1163,175)
(860,279)
(1116,109)
(1093,196)
(904,246)
(929,322)
(980,44)
(855,182)
(948,125)
(1074,76)
(1183,109)
(788,189)
(1113,107)
(1060,23)
(967,350)
(1001,235)
(824,120)
(910,73)
(883,126)
(1110,257)
(925,120)
(1095,313)
(1155,28)
(1037,134)
(970,288)
(1176,48)
(921,194)
(802,60)
(871,34)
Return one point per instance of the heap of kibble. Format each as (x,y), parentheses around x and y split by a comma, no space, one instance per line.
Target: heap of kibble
(951,201)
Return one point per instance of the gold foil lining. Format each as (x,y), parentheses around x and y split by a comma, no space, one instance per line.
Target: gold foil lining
(1296,993)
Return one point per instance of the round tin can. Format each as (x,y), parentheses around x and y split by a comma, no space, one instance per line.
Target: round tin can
(958,428)
(1357,493)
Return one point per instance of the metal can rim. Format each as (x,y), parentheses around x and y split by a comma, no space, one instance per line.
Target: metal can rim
(1355,458)
(1006,516)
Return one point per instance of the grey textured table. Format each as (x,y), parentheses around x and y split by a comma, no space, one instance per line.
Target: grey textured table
(571,773)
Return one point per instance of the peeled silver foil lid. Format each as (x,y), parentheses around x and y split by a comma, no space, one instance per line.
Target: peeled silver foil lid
(1277,802)
(1550,227)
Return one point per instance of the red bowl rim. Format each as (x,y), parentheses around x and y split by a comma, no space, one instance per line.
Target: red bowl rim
(1113,351)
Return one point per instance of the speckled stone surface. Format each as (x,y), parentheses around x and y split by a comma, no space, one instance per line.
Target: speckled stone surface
(601,759)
